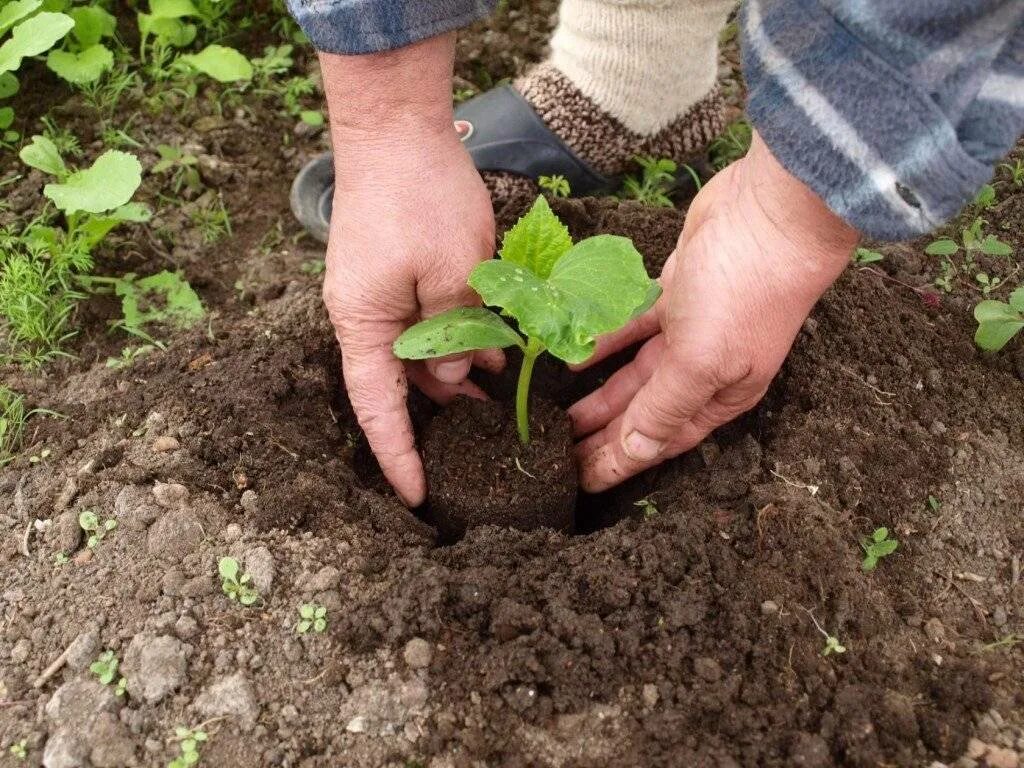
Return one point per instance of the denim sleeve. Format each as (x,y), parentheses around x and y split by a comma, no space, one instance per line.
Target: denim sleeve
(369,26)
(894,113)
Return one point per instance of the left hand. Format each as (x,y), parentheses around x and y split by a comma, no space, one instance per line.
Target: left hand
(758,250)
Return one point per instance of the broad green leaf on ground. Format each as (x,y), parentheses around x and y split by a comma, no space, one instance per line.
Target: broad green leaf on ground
(15,11)
(43,155)
(84,67)
(172,9)
(92,24)
(942,247)
(32,37)
(1017,299)
(173,32)
(998,322)
(537,241)
(165,297)
(9,85)
(108,184)
(223,64)
(96,228)
(464,329)
(6,118)
(993,246)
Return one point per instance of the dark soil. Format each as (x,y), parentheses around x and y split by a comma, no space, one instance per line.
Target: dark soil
(479,473)
(679,633)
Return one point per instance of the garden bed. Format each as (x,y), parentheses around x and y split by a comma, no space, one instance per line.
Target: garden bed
(684,630)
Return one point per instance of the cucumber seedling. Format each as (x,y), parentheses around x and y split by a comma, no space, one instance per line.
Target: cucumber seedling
(236,585)
(562,296)
(999,322)
(876,547)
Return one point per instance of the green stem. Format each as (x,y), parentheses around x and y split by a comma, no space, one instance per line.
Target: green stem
(530,354)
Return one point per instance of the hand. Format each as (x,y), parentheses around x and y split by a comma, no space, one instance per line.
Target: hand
(758,249)
(411,219)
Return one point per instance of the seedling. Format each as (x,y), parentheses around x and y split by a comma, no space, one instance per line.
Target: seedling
(212,219)
(647,505)
(19,749)
(999,322)
(658,177)
(733,144)
(165,298)
(312,618)
(84,59)
(236,587)
(60,559)
(934,504)
(556,186)
(97,531)
(1016,172)
(563,296)
(12,424)
(105,668)
(130,354)
(986,196)
(878,546)
(180,165)
(832,644)
(864,256)
(189,742)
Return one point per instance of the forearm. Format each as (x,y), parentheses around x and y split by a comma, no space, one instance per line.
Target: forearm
(390,101)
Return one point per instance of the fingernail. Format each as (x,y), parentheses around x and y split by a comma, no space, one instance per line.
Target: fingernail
(640,447)
(452,371)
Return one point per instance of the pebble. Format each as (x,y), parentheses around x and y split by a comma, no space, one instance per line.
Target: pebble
(356,725)
(83,650)
(769,607)
(232,697)
(112,745)
(66,495)
(250,501)
(170,495)
(174,535)
(259,564)
(165,444)
(934,630)
(154,666)
(65,534)
(77,702)
(231,533)
(418,653)
(186,627)
(707,668)
(650,694)
(21,651)
(65,749)
(999,616)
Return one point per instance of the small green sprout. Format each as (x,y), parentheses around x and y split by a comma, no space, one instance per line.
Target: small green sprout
(648,506)
(1016,172)
(562,295)
(832,644)
(999,322)
(60,559)
(658,177)
(732,144)
(189,741)
(934,504)
(19,749)
(236,587)
(105,668)
(864,256)
(39,458)
(556,186)
(986,196)
(312,617)
(876,547)
(90,523)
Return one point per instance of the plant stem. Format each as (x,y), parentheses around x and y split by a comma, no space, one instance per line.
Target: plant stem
(530,354)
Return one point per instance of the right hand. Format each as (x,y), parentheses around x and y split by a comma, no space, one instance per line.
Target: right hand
(411,220)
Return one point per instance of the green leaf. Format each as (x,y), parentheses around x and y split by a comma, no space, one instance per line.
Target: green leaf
(42,154)
(986,196)
(943,247)
(6,118)
(1017,299)
(96,228)
(172,9)
(537,241)
(313,117)
(223,64)
(9,85)
(32,37)
(459,330)
(227,567)
(883,548)
(84,67)
(997,324)
(108,184)
(993,246)
(881,534)
(15,11)
(92,24)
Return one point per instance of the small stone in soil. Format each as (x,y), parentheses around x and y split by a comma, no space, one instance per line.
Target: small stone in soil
(154,667)
(418,653)
(230,696)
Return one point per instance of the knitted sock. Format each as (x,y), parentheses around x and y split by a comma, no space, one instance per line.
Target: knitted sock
(628,78)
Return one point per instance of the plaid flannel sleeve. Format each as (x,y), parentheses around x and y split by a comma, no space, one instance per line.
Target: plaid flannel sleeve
(893,113)
(369,26)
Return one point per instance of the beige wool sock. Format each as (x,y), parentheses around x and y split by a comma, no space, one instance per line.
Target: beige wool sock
(643,62)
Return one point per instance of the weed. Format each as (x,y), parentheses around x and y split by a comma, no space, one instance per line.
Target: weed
(19,749)
(312,618)
(832,644)
(934,504)
(90,523)
(313,267)
(212,220)
(130,354)
(181,166)
(986,197)
(658,177)
(557,292)
(1016,172)
(12,424)
(733,144)
(165,298)
(63,139)
(60,559)
(648,507)
(105,668)
(999,322)
(876,547)
(973,241)
(556,186)
(236,587)
(864,256)
(189,742)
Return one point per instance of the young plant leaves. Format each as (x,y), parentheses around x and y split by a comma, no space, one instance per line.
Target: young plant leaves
(537,241)
(32,37)
(165,297)
(83,67)
(108,184)
(43,155)
(998,323)
(225,65)
(458,330)
(15,11)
